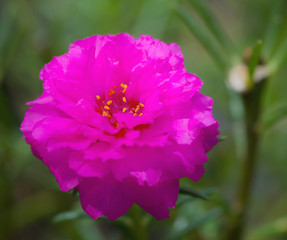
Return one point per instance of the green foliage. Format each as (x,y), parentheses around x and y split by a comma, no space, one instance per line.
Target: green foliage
(271,118)
(212,24)
(194,26)
(175,233)
(193,193)
(271,230)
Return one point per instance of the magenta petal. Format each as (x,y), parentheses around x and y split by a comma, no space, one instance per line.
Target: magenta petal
(197,173)
(88,167)
(57,161)
(103,197)
(156,199)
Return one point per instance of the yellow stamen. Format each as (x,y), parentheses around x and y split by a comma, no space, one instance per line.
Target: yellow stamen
(141,105)
(124,110)
(124,86)
(112,91)
(106,107)
(98,97)
(115,86)
(140,114)
(109,102)
(124,99)
(105,114)
(138,108)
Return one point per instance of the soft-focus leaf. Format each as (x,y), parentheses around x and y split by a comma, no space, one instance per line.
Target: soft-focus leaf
(153,17)
(70,215)
(194,26)
(270,230)
(254,59)
(88,229)
(187,197)
(212,23)
(271,118)
(274,27)
(279,57)
(222,138)
(193,193)
(173,235)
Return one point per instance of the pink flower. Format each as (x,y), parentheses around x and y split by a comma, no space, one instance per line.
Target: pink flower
(121,121)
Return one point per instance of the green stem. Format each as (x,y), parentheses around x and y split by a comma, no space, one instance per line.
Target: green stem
(138,224)
(252,109)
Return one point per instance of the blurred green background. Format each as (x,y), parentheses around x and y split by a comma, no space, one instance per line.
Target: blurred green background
(33,31)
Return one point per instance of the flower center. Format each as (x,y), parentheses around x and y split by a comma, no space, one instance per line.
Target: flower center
(116,101)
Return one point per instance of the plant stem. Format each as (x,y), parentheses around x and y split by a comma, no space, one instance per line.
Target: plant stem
(252,109)
(138,224)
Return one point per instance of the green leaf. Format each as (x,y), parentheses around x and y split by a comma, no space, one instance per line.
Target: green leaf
(193,193)
(279,57)
(70,215)
(254,59)
(221,138)
(273,27)
(269,230)
(211,22)
(271,118)
(174,234)
(187,197)
(194,26)
(153,17)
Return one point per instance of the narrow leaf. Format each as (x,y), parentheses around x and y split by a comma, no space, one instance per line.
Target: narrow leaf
(185,197)
(173,235)
(254,59)
(273,117)
(211,22)
(270,230)
(193,193)
(221,138)
(70,215)
(202,36)
(153,17)
(273,27)
(279,57)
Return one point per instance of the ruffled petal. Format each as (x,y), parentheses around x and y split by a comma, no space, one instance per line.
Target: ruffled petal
(103,197)
(156,199)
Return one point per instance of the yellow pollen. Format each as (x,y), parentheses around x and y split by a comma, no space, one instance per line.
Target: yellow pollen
(124,110)
(109,102)
(141,104)
(106,107)
(137,109)
(115,86)
(140,114)
(124,86)
(105,114)
(112,91)
(98,97)
(124,99)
